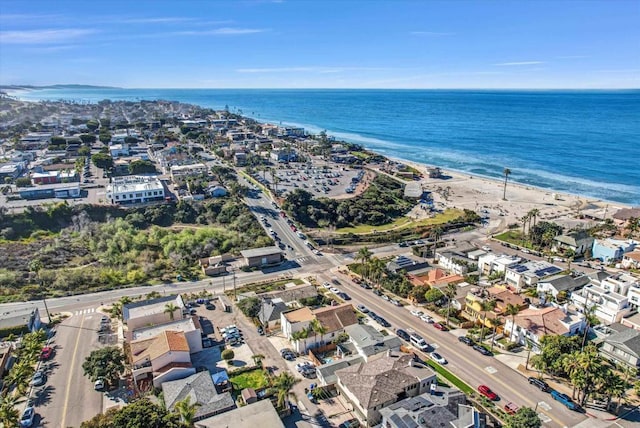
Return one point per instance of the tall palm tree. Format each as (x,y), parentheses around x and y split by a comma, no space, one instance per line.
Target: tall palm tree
(524,219)
(435,234)
(186,410)
(364,256)
(316,327)
(450,292)
(9,415)
(377,268)
(283,384)
(497,322)
(512,310)
(170,308)
(534,215)
(487,306)
(506,173)
(300,335)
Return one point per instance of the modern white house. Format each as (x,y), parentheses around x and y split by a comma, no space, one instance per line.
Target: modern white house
(608,306)
(553,285)
(161,358)
(135,189)
(490,263)
(152,312)
(524,275)
(188,170)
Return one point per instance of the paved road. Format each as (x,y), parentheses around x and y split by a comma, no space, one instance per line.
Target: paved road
(68,398)
(469,365)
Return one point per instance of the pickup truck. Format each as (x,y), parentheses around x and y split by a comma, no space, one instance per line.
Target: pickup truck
(564,399)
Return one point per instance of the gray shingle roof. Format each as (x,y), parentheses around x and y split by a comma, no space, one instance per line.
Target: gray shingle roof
(628,339)
(200,388)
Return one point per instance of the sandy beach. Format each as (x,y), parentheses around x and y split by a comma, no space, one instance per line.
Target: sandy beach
(462,190)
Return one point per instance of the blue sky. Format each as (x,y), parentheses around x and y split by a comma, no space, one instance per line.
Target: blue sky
(322,44)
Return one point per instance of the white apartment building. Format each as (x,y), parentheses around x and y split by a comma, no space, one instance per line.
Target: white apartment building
(135,189)
(188,170)
(491,263)
(609,306)
(528,274)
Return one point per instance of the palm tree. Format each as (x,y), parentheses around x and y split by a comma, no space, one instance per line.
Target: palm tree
(283,384)
(487,306)
(257,359)
(435,234)
(512,310)
(497,322)
(378,268)
(300,335)
(170,308)
(534,215)
(450,292)
(363,255)
(591,319)
(506,173)
(9,415)
(186,410)
(317,328)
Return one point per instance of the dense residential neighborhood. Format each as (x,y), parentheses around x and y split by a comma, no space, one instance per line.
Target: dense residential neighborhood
(250,273)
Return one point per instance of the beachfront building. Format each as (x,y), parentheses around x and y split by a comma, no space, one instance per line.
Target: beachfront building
(525,275)
(631,260)
(578,241)
(135,189)
(611,250)
(455,262)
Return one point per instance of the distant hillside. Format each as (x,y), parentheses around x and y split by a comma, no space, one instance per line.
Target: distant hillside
(69,86)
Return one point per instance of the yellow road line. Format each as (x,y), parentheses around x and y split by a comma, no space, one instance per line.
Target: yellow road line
(73,364)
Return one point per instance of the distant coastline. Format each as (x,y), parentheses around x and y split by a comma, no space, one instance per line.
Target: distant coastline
(586,151)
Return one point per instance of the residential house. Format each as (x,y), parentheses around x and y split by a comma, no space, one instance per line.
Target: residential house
(631,260)
(446,407)
(260,414)
(437,278)
(22,320)
(6,360)
(371,386)
(190,326)
(455,262)
(525,275)
(191,170)
(611,250)
(367,342)
(562,283)
(201,391)
(334,319)
(239,159)
(622,347)
(10,170)
(631,320)
(292,293)
(270,312)
(533,323)
(608,306)
(407,264)
(161,358)
(215,265)
(264,256)
(119,150)
(490,263)
(578,241)
(501,296)
(152,312)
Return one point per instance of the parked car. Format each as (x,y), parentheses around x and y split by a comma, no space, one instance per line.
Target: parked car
(385,297)
(365,285)
(511,408)
(564,399)
(302,366)
(440,327)
(344,295)
(466,340)
(260,330)
(438,358)
(334,290)
(377,292)
(539,383)
(417,313)
(396,302)
(487,392)
(402,334)
(98,385)
(26,420)
(482,350)
(39,378)
(362,308)
(383,322)
(210,306)
(427,319)
(47,353)
(288,354)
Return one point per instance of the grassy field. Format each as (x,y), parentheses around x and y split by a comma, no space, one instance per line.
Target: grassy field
(403,223)
(255,379)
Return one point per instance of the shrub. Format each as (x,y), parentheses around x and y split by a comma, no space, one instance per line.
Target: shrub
(228,354)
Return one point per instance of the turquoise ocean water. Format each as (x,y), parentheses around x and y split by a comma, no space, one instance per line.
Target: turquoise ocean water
(581,142)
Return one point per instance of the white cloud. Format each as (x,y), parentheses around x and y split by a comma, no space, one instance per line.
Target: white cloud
(224,31)
(158,20)
(572,56)
(313,69)
(42,36)
(519,63)
(431,33)
(51,49)
(621,70)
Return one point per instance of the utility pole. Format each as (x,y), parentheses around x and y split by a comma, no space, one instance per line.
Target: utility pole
(46,309)
(235,299)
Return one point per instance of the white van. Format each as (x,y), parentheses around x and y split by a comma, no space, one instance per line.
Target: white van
(417,341)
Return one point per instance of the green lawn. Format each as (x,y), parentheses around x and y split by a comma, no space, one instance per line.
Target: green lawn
(255,379)
(403,223)
(457,382)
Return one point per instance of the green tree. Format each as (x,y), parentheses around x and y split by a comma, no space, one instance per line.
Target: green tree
(105,137)
(316,327)
(512,310)
(487,305)
(84,151)
(102,160)
(170,309)
(186,410)
(9,415)
(141,167)
(23,182)
(507,173)
(525,417)
(300,335)
(250,306)
(433,295)
(144,414)
(227,355)
(58,141)
(87,139)
(553,349)
(92,125)
(104,363)
(363,256)
(283,384)
(450,293)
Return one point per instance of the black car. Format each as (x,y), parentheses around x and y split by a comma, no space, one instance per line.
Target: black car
(260,331)
(372,315)
(402,334)
(344,295)
(210,306)
(365,285)
(482,350)
(383,322)
(377,292)
(539,383)
(466,340)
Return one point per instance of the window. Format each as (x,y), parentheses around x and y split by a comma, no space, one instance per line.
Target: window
(123,197)
(139,195)
(117,197)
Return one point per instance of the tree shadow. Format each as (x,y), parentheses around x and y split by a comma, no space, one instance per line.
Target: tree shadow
(42,397)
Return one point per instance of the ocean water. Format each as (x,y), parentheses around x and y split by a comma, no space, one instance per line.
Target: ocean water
(580,142)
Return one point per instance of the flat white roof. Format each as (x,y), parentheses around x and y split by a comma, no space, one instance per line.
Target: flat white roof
(184,325)
(134,183)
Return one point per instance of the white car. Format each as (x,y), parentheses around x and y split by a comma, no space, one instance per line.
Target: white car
(334,290)
(98,385)
(486,248)
(438,358)
(417,313)
(326,285)
(427,319)
(26,420)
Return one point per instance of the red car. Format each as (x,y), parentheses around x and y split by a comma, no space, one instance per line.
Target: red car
(293,228)
(47,352)
(439,326)
(487,392)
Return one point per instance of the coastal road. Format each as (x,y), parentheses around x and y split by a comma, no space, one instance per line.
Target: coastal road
(68,398)
(466,363)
